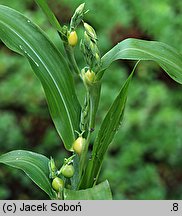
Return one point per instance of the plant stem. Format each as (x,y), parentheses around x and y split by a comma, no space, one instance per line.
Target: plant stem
(71,57)
(83,157)
(84,115)
(94,97)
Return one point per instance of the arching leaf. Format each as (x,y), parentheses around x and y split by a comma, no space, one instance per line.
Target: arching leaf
(134,49)
(34,165)
(24,37)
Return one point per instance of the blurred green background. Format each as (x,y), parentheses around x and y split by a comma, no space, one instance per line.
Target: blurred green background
(144,161)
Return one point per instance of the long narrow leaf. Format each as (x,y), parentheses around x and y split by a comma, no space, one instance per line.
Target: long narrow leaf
(106,134)
(167,57)
(50,15)
(34,165)
(24,37)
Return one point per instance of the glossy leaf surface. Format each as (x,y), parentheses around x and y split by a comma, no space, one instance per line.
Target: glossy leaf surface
(24,37)
(34,165)
(99,192)
(106,133)
(134,49)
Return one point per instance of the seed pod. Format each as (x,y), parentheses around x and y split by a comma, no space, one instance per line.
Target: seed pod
(68,170)
(73,39)
(57,184)
(78,145)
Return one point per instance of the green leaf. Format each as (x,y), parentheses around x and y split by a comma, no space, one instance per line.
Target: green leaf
(34,165)
(108,129)
(167,57)
(50,15)
(24,37)
(99,192)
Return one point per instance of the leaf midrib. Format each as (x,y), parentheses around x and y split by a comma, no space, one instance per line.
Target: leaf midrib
(137,49)
(44,65)
(31,164)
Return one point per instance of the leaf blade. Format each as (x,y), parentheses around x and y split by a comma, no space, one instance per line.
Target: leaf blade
(24,37)
(50,15)
(106,133)
(134,49)
(99,192)
(34,165)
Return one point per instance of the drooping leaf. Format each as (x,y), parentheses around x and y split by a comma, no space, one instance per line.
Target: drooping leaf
(99,192)
(24,37)
(134,49)
(34,165)
(106,134)
(50,15)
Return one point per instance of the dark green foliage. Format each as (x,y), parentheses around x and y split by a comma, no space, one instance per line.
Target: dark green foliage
(144,160)
(34,165)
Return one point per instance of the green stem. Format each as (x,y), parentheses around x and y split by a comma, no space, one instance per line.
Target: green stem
(84,115)
(71,58)
(83,156)
(94,96)
(83,159)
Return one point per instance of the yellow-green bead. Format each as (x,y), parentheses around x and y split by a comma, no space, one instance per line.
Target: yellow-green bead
(73,38)
(78,145)
(89,77)
(57,184)
(68,171)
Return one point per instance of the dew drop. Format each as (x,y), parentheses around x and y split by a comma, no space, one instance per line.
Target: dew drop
(17,158)
(28,21)
(21,47)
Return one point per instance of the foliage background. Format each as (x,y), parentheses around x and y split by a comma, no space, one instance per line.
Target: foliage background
(144,161)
